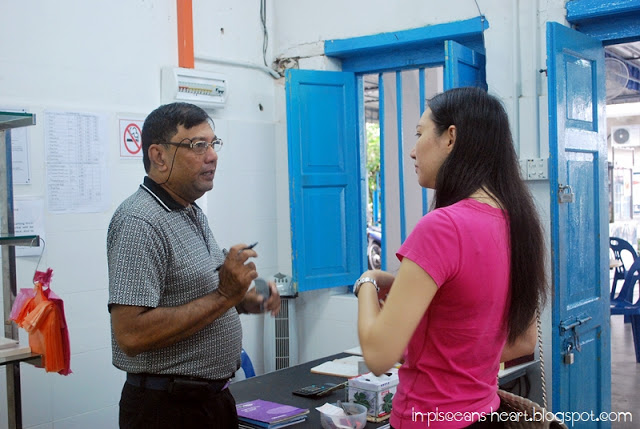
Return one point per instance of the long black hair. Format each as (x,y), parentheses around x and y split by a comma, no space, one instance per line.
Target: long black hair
(483,157)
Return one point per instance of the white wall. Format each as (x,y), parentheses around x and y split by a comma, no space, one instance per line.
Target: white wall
(106,57)
(85,57)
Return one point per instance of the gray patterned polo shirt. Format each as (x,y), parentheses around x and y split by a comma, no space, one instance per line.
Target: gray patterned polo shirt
(162,254)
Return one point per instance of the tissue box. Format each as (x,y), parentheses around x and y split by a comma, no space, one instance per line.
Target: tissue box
(373,392)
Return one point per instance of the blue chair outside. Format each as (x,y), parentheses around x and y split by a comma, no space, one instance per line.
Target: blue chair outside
(623,305)
(246,365)
(619,246)
(625,296)
(633,312)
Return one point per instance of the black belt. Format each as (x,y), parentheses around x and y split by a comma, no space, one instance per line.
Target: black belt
(175,382)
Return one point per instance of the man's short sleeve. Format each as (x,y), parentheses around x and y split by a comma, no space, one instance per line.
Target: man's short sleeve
(137,262)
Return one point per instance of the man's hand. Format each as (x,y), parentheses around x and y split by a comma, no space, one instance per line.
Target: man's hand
(255,303)
(236,274)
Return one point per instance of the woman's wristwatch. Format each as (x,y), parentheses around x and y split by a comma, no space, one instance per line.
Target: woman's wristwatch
(358,283)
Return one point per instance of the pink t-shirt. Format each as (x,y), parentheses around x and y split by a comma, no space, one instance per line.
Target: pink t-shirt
(451,363)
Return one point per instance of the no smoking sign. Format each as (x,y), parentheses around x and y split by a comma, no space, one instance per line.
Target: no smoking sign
(130,138)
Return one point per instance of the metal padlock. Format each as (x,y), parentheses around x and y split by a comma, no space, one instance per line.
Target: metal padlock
(569,357)
(565,194)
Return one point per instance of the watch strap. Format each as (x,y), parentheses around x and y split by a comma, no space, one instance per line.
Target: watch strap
(358,283)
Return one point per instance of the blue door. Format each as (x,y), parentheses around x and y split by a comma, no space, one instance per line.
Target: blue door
(577,175)
(326,200)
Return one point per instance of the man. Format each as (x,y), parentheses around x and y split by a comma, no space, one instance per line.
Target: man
(174,295)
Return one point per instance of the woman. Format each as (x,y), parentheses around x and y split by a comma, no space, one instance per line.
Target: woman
(472,271)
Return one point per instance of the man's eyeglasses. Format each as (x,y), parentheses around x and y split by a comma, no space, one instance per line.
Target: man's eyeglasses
(199,147)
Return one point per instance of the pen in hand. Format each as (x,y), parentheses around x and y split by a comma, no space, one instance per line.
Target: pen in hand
(226,252)
(251,246)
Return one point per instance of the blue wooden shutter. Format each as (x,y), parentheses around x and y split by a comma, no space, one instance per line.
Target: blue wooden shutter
(463,66)
(327,211)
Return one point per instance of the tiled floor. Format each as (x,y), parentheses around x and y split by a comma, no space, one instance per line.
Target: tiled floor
(625,373)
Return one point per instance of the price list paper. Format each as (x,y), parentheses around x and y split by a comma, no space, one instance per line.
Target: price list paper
(76,162)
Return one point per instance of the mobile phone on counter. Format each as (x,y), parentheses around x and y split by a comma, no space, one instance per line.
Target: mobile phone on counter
(318,390)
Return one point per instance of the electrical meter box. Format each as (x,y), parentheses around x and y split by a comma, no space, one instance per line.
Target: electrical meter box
(202,88)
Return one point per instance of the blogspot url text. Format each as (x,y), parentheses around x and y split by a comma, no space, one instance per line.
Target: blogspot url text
(567,417)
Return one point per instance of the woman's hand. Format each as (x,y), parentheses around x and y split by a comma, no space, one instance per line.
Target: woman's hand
(384,334)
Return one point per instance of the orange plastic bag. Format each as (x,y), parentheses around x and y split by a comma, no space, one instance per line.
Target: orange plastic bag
(42,316)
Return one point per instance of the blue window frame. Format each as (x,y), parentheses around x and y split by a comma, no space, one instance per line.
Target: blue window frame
(608,21)
(325,123)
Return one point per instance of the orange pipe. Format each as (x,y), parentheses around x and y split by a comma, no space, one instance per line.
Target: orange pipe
(185,34)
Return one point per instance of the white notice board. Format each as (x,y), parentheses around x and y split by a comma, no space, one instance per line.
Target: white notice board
(76,162)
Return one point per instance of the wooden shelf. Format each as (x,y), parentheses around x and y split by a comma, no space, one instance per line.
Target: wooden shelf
(8,238)
(20,240)
(27,357)
(10,120)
